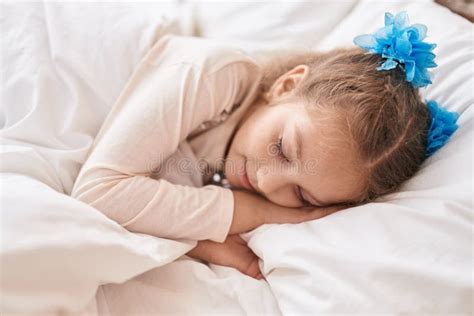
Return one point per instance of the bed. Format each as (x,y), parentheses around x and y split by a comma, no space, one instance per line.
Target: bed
(63,66)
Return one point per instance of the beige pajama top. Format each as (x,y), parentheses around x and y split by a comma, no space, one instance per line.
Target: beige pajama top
(175,116)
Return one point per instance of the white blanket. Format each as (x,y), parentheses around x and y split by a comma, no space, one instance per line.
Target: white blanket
(64,64)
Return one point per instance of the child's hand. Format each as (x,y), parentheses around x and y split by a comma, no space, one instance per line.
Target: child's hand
(322,211)
(252,210)
(283,215)
(233,252)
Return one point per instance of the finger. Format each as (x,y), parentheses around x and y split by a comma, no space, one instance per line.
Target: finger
(324,211)
(252,269)
(250,266)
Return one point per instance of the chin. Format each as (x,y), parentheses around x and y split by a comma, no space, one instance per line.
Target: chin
(234,183)
(231,172)
(231,177)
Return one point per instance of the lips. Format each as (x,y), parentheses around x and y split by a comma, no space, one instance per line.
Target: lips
(244,179)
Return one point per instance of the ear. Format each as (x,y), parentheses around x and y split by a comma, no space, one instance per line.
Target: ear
(287,82)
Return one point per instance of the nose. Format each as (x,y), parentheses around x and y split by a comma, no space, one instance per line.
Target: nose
(268,180)
(276,185)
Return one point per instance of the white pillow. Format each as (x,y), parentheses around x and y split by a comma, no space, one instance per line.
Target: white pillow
(56,251)
(411,251)
(269,24)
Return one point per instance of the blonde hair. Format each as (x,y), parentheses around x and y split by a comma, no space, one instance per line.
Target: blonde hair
(386,120)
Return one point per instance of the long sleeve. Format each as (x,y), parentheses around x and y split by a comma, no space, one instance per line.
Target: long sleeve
(181,83)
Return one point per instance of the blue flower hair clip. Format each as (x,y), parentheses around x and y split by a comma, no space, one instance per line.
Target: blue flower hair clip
(443,125)
(402,45)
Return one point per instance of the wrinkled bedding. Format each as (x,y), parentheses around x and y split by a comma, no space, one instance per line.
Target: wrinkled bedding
(64,64)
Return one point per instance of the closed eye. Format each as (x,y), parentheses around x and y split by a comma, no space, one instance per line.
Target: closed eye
(300,197)
(280,149)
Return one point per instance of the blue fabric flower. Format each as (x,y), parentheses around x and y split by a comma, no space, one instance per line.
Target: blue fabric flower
(443,125)
(402,45)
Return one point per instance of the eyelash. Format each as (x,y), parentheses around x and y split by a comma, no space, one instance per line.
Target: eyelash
(298,189)
(280,149)
(300,197)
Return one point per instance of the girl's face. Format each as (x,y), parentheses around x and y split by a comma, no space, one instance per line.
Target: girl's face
(290,156)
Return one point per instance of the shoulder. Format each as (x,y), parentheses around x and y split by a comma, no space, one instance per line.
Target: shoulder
(207,54)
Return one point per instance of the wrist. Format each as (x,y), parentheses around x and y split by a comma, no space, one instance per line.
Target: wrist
(201,251)
(262,210)
(249,212)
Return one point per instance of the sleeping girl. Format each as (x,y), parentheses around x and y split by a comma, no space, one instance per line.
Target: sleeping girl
(295,137)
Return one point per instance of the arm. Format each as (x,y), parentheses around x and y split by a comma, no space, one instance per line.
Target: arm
(156,111)
(251,211)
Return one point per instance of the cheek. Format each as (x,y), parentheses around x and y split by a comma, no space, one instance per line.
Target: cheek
(284,197)
(253,137)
